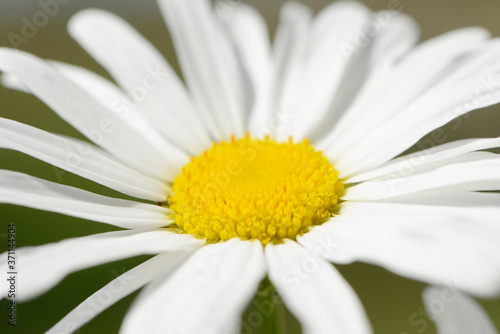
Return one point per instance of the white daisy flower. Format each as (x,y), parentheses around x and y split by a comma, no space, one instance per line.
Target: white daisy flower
(456,313)
(269,161)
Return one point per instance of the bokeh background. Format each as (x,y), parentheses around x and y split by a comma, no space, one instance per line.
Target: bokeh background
(392,303)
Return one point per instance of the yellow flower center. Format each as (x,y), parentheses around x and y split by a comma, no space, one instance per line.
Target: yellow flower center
(255,189)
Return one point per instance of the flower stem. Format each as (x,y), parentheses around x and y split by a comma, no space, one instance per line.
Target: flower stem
(266,314)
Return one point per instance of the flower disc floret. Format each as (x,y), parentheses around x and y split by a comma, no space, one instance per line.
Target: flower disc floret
(255,189)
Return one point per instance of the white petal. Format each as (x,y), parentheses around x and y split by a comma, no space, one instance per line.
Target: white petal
(21,189)
(411,124)
(144,74)
(314,291)
(440,198)
(479,62)
(405,164)
(42,267)
(11,81)
(435,247)
(112,97)
(251,37)
(233,327)
(80,158)
(108,94)
(159,266)
(209,63)
(378,95)
(456,313)
(92,119)
(225,274)
(480,208)
(413,80)
(470,171)
(324,64)
(371,67)
(399,36)
(289,49)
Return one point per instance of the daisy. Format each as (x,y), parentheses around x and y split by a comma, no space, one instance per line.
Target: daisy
(269,161)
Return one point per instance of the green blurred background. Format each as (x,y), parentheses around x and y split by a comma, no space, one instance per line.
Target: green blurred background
(390,301)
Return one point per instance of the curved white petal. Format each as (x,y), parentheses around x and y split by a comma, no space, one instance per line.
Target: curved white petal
(380,96)
(399,35)
(442,104)
(411,124)
(419,81)
(314,291)
(470,171)
(161,265)
(324,64)
(289,48)
(225,274)
(250,36)
(129,111)
(430,201)
(12,81)
(103,91)
(437,247)
(42,267)
(209,63)
(92,119)
(480,209)
(445,198)
(144,74)
(407,79)
(80,158)
(454,312)
(407,163)
(372,64)
(21,189)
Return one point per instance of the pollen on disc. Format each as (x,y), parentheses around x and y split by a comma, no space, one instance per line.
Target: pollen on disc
(255,189)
